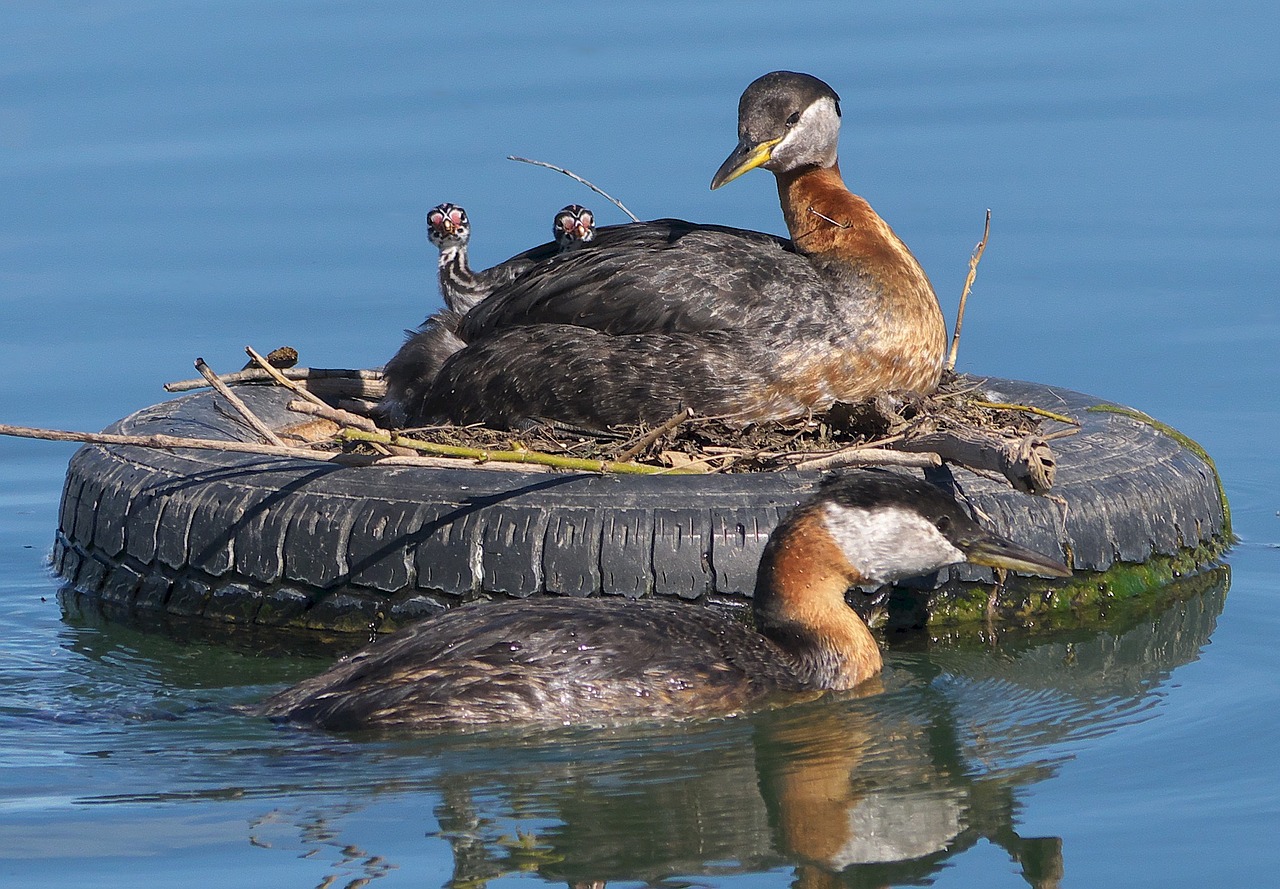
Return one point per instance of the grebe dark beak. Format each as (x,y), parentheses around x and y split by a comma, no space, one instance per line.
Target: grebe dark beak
(747,156)
(998,552)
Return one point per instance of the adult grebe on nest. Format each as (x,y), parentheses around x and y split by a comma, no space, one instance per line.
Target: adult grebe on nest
(603,660)
(654,317)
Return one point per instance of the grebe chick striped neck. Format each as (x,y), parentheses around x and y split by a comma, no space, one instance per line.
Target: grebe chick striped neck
(450,230)
(603,660)
(463,287)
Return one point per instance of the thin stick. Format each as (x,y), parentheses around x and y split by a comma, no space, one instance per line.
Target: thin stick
(360,406)
(280,378)
(870,457)
(653,435)
(617,203)
(249,416)
(443,452)
(293,373)
(333,414)
(964,295)
(170,442)
(1025,408)
(508,456)
(163,442)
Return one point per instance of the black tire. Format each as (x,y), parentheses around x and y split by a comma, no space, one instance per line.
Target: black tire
(280,542)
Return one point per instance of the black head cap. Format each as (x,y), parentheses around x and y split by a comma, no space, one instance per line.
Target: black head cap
(771,99)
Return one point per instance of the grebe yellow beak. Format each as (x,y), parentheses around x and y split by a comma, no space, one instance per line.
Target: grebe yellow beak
(747,156)
(995,551)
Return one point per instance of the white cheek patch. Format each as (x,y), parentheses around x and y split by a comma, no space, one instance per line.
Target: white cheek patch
(889,543)
(819,125)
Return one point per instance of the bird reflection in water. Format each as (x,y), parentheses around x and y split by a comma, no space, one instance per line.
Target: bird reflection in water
(857,791)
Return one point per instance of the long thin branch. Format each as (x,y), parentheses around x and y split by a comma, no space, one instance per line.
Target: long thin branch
(574,176)
(163,442)
(508,456)
(256,375)
(863,456)
(170,442)
(249,416)
(968,285)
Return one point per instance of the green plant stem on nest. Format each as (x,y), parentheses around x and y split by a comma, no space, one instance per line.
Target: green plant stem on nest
(580,464)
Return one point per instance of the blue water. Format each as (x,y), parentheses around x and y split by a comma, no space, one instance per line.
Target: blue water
(181,179)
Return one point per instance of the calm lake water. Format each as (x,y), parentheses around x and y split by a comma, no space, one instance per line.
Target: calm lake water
(179,179)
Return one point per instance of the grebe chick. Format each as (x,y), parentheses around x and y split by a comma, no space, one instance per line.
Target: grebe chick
(573,225)
(653,317)
(608,659)
(428,347)
(462,287)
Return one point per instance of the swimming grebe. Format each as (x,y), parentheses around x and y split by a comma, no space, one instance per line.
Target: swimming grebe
(654,317)
(608,659)
(462,287)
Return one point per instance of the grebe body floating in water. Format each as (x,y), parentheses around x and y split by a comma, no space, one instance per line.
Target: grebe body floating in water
(654,317)
(604,660)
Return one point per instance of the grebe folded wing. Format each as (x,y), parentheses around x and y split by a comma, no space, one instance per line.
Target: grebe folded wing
(563,660)
(661,276)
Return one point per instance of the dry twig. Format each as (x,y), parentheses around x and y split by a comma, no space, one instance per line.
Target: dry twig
(249,416)
(164,442)
(632,451)
(964,295)
(574,176)
(333,414)
(864,456)
(258,375)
